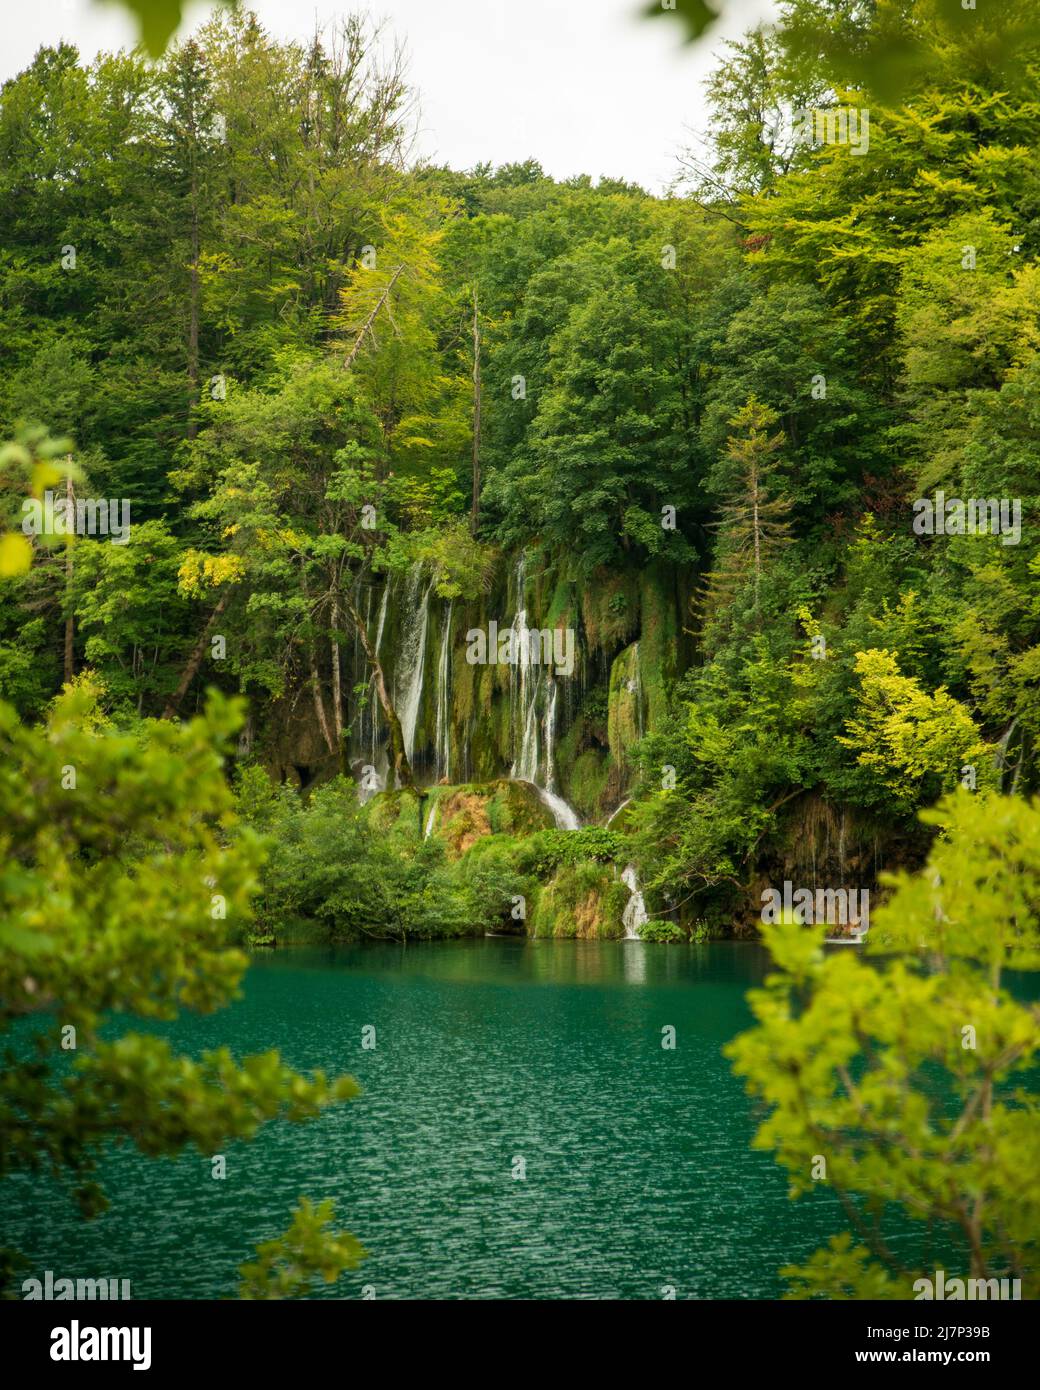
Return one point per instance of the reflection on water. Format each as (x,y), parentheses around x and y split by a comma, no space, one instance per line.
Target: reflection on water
(638,1171)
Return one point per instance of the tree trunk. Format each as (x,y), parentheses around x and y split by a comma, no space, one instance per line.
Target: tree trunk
(319,704)
(337,688)
(195,660)
(193,301)
(399,758)
(758,539)
(348,361)
(474,520)
(70,669)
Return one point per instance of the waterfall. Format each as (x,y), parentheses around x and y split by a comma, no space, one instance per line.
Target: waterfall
(531,688)
(443,721)
(429,821)
(640,694)
(381,620)
(616,812)
(635,914)
(841,846)
(525,768)
(549,733)
(565,816)
(413,657)
(523,691)
(360,665)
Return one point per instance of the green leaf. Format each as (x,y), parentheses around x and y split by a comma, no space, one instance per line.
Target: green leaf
(158,20)
(696,15)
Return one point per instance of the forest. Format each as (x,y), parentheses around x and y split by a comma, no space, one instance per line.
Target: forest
(290,414)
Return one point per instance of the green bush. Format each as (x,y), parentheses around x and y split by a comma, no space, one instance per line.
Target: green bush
(550,849)
(661,931)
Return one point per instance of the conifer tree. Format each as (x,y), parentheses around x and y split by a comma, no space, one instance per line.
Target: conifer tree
(753,525)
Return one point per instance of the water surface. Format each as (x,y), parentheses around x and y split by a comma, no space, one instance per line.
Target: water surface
(638,1175)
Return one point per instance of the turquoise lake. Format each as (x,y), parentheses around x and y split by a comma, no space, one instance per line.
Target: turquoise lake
(639,1177)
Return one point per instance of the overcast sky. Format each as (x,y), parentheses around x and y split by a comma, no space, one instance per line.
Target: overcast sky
(584,86)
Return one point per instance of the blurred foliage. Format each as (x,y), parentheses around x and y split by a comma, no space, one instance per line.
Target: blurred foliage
(908,1071)
(159,20)
(696,16)
(123,872)
(309,1249)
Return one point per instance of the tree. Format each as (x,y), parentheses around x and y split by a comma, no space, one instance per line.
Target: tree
(905,1071)
(610,441)
(914,744)
(124,876)
(131,614)
(298,519)
(188,153)
(753,525)
(749,96)
(787,348)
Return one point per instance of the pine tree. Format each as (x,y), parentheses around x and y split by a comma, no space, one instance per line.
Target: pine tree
(753,525)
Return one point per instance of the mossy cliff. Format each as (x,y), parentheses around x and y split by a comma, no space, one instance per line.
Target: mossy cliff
(489,739)
(469,720)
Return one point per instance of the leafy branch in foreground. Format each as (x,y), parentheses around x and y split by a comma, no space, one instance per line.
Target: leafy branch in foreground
(158,20)
(123,870)
(309,1249)
(904,1073)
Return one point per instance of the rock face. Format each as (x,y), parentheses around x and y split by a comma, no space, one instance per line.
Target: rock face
(504,749)
(626,715)
(463,815)
(468,723)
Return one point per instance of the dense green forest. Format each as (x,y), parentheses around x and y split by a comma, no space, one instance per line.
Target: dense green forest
(311,370)
(760,454)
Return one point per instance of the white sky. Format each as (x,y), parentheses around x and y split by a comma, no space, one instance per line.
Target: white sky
(584,86)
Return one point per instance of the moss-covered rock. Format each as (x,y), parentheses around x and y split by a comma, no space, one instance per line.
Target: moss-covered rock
(610,609)
(659,635)
(626,709)
(459,816)
(582,901)
(588,781)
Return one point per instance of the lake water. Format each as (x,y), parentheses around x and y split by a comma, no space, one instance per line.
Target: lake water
(638,1170)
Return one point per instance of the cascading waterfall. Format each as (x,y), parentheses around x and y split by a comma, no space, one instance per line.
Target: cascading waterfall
(523,690)
(635,913)
(525,769)
(565,816)
(534,691)
(549,734)
(532,688)
(409,678)
(443,720)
